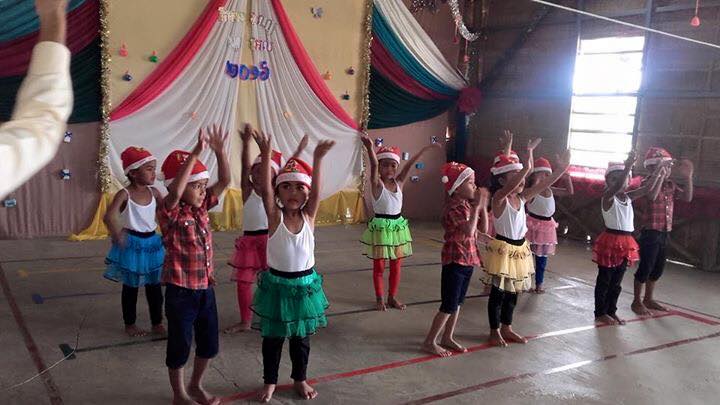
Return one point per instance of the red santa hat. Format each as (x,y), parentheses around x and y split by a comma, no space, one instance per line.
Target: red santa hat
(505,164)
(389,152)
(454,175)
(134,157)
(501,153)
(175,160)
(542,165)
(656,155)
(615,167)
(275,160)
(295,170)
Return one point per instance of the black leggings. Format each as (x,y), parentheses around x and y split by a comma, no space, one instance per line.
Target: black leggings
(608,287)
(272,352)
(501,306)
(153,293)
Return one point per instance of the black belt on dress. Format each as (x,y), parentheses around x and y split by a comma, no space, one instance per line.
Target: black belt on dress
(514,242)
(617,232)
(255,233)
(143,235)
(539,217)
(387,216)
(291,274)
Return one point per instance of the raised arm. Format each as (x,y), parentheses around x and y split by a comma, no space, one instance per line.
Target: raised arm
(245,161)
(516,179)
(177,188)
(686,169)
(217,141)
(506,141)
(652,186)
(374,171)
(322,148)
(563,164)
(610,192)
(479,219)
(112,216)
(301,147)
(266,187)
(411,163)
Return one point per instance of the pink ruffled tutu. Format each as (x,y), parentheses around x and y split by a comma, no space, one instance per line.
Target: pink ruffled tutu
(250,257)
(542,236)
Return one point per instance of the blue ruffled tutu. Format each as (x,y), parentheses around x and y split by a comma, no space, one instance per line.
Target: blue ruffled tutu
(138,263)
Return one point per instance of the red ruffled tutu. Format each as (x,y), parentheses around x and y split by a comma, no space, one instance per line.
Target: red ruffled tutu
(542,236)
(250,257)
(611,249)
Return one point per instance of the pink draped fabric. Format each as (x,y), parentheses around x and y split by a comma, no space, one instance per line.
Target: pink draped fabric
(171,66)
(308,69)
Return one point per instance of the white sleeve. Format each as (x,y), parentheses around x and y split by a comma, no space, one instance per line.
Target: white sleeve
(44,102)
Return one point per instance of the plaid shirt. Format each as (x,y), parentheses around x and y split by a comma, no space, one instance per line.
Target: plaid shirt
(658,215)
(459,247)
(188,245)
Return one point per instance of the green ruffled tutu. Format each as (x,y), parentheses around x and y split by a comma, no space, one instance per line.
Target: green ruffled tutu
(387,239)
(289,307)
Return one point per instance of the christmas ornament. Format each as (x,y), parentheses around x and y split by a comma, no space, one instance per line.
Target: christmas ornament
(406,156)
(459,22)
(123,51)
(378,142)
(10,203)
(433,139)
(317,12)
(346,96)
(695,21)
(287,115)
(65,174)
(153,58)
(350,70)
(127,76)
(327,75)
(420,165)
(414,179)
(68,137)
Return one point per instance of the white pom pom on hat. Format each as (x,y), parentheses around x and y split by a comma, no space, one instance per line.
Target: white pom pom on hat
(444,179)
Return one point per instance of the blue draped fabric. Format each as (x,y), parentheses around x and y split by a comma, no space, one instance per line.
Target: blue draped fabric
(18,18)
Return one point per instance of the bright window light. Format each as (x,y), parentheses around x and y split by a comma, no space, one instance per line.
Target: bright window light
(608,73)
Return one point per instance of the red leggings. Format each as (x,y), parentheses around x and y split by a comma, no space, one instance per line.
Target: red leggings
(379,269)
(244,294)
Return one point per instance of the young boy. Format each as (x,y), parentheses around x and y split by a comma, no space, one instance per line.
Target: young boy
(656,226)
(188,269)
(464,213)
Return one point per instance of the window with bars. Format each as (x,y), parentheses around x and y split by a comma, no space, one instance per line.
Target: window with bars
(608,73)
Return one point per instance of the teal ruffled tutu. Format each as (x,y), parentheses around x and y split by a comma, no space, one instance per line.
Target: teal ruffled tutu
(387,238)
(289,307)
(138,263)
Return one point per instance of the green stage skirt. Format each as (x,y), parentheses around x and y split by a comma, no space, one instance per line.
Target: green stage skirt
(387,239)
(289,307)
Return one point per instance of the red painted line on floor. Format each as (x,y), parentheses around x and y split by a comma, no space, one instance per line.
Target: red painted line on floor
(50,387)
(696,318)
(423,359)
(524,376)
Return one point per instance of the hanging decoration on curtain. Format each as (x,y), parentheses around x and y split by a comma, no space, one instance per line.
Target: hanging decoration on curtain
(422,5)
(695,21)
(460,22)
(410,80)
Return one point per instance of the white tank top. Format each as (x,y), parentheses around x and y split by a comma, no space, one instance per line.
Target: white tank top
(291,252)
(139,218)
(542,206)
(254,216)
(389,203)
(620,216)
(512,223)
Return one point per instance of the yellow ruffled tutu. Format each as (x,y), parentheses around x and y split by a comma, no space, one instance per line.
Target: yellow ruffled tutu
(508,267)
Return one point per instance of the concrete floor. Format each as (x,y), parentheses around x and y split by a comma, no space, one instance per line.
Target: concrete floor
(54,290)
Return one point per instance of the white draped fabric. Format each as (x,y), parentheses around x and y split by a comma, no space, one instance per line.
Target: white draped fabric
(419,43)
(168,123)
(288,109)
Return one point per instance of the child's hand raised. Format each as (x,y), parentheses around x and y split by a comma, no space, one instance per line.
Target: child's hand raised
(303,143)
(201,143)
(564,159)
(322,148)
(246,133)
(631,159)
(367,142)
(506,139)
(217,138)
(263,141)
(533,143)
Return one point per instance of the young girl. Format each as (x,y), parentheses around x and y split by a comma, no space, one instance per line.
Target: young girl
(616,248)
(250,256)
(290,300)
(542,228)
(508,263)
(387,236)
(136,256)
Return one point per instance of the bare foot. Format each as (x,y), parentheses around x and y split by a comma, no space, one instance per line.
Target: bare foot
(159,330)
(435,349)
(640,309)
(605,320)
(451,344)
(510,336)
(305,390)
(618,320)
(652,304)
(186,400)
(380,305)
(394,303)
(202,397)
(496,338)
(265,395)
(134,331)
(237,328)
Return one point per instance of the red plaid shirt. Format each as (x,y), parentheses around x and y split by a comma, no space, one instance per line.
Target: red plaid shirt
(188,245)
(459,247)
(658,215)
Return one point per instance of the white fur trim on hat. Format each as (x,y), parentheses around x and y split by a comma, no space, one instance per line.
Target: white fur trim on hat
(195,177)
(464,175)
(542,169)
(388,155)
(139,163)
(655,161)
(294,176)
(512,155)
(507,168)
(615,168)
(273,164)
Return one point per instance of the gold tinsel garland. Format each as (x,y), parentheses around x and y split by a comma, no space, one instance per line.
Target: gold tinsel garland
(365,63)
(104,176)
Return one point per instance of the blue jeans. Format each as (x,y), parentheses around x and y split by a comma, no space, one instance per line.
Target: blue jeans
(189,311)
(540,264)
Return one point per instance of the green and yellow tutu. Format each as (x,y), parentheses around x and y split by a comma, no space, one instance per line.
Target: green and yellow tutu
(387,238)
(508,267)
(289,307)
